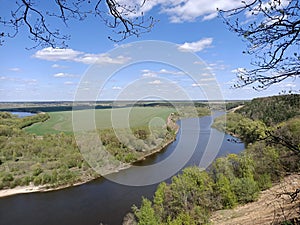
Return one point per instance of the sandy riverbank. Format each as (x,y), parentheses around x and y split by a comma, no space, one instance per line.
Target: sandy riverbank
(41,188)
(20,190)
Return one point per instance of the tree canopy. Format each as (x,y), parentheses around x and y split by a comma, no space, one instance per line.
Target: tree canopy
(271,29)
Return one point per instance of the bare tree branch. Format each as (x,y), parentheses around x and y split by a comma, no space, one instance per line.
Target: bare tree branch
(271,29)
(124,20)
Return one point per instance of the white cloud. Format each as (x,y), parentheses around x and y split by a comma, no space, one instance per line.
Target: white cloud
(150,73)
(100,58)
(64,75)
(155,82)
(15,69)
(196,46)
(185,10)
(164,71)
(116,88)
(57,54)
(239,70)
(58,66)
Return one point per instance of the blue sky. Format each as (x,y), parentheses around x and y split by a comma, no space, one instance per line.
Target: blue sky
(46,74)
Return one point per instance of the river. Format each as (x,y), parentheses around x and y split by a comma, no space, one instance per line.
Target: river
(102,200)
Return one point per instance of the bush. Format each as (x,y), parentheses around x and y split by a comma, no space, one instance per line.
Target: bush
(246,189)
(224,190)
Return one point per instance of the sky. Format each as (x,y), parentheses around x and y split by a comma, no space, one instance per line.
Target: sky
(191,26)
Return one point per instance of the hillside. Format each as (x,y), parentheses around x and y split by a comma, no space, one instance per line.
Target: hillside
(272,110)
(271,207)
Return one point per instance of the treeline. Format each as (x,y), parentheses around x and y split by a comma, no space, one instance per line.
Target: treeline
(272,110)
(193,195)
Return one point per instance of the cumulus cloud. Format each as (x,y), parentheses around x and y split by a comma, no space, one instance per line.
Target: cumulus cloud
(196,46)
(186,10)
(57,54)
(116,88)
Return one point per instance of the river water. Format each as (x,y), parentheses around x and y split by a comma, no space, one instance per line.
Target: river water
(23,114)
(103,200)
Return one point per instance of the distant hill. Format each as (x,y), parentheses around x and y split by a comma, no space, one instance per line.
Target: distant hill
(272,110)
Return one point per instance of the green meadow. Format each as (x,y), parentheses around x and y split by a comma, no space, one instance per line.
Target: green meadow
(133,117)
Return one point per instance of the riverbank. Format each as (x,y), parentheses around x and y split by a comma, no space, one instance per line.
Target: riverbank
(40,188)
(171,122)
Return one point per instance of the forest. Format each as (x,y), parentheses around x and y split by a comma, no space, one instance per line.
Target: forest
(272,150)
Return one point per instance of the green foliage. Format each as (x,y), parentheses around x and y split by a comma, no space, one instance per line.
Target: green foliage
(182,219)
(266,163)
(27,158)
(187,200)
(287,134)
(127,146)
(246,129)
(146,214)
(223,188)
(159,199)
(272,110)
(245,189)
(227,122)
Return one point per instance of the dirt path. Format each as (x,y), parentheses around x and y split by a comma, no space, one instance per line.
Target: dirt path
(272,206)
(236,108)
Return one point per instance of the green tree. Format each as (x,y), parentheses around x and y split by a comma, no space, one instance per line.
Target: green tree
(246,189)
(159,199)
(223,189)
(146,214)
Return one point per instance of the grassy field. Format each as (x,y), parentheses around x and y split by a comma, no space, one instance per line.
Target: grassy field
(136,117)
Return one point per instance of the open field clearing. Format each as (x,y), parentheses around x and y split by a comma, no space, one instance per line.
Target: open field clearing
(104,118)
